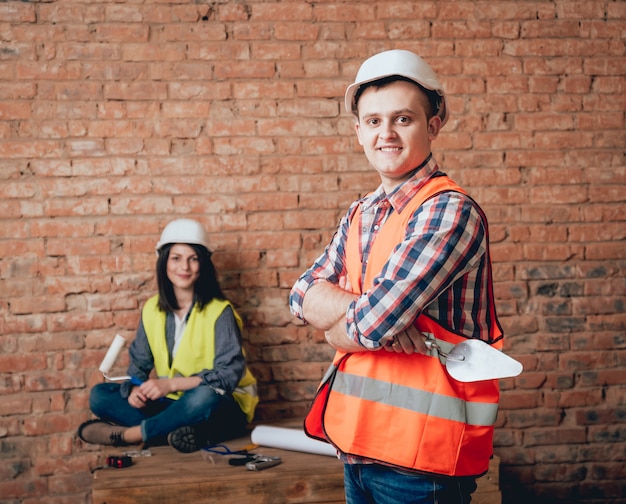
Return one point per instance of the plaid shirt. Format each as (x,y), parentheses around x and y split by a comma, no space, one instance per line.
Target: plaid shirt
(439,269)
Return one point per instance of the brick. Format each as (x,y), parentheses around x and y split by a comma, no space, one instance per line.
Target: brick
(304,371)
(607,434)
(561,472)
(21,488)
(407,30)
(607,490)
(461,29)
(405,10)
(592,10)
(561,380)
(17,13)
(573,399)
(14,404)
(587,360)
(516,456)
(600,416)
(552,436)
(557,29)
(256,31)
(605,251)
(607,471)
(565,324)
(519,400)
(601,341)
(600,377)
(530,381)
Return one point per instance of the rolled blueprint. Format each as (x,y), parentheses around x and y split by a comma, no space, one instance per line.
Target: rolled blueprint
(290,439)
(111,357)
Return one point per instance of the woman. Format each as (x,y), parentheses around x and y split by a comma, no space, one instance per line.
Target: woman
(190,335)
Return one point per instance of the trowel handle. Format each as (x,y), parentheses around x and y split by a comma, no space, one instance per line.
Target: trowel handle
(432,345)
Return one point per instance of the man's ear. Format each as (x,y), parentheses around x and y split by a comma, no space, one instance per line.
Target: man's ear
(434,125)
(357,128)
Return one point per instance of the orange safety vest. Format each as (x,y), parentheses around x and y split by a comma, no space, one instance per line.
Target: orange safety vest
(405,410)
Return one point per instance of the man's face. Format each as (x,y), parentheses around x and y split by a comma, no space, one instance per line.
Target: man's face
(394,131)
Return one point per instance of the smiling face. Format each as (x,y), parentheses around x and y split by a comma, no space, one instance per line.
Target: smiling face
(394,130)
(183,267)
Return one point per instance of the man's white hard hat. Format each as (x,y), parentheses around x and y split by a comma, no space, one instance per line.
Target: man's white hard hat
(183,231)
(397,62)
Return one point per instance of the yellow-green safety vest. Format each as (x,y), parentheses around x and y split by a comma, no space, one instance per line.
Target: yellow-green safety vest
(197,348)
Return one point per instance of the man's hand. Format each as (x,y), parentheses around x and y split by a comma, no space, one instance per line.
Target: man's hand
(409,341)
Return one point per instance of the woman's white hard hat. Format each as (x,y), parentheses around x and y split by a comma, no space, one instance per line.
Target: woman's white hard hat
(183,231)
(397,62)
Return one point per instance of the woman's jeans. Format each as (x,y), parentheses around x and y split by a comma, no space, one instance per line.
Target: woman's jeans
(217,416)
(378,484)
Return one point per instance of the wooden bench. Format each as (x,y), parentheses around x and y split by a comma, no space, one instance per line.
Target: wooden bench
(172,477)
(168,476)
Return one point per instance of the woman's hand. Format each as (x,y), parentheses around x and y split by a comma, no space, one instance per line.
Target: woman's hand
(154,389)
(150,390)
(136,399)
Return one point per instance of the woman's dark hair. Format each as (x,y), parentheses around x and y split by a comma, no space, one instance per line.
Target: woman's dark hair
(206,287)
(434,99)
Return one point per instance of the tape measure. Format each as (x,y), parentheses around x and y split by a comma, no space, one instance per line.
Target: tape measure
(119,462)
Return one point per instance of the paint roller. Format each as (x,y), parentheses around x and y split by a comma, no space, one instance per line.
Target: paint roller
(111,357)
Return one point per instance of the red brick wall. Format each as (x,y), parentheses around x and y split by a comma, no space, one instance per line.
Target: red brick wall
(117,117)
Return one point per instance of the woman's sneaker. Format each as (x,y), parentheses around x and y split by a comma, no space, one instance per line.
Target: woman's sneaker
(102,433)
(186,439)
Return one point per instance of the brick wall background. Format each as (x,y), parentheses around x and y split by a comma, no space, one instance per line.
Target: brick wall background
(117,117)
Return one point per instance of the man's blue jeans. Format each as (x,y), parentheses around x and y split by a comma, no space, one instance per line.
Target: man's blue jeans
(218,416)
(379,484)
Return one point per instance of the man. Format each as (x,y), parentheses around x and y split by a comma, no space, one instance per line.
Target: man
(406,274)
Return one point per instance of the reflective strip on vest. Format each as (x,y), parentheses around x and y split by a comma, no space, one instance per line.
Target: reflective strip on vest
(249,389)
(418,401)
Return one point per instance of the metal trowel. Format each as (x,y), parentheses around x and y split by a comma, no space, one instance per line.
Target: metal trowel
(474,360)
